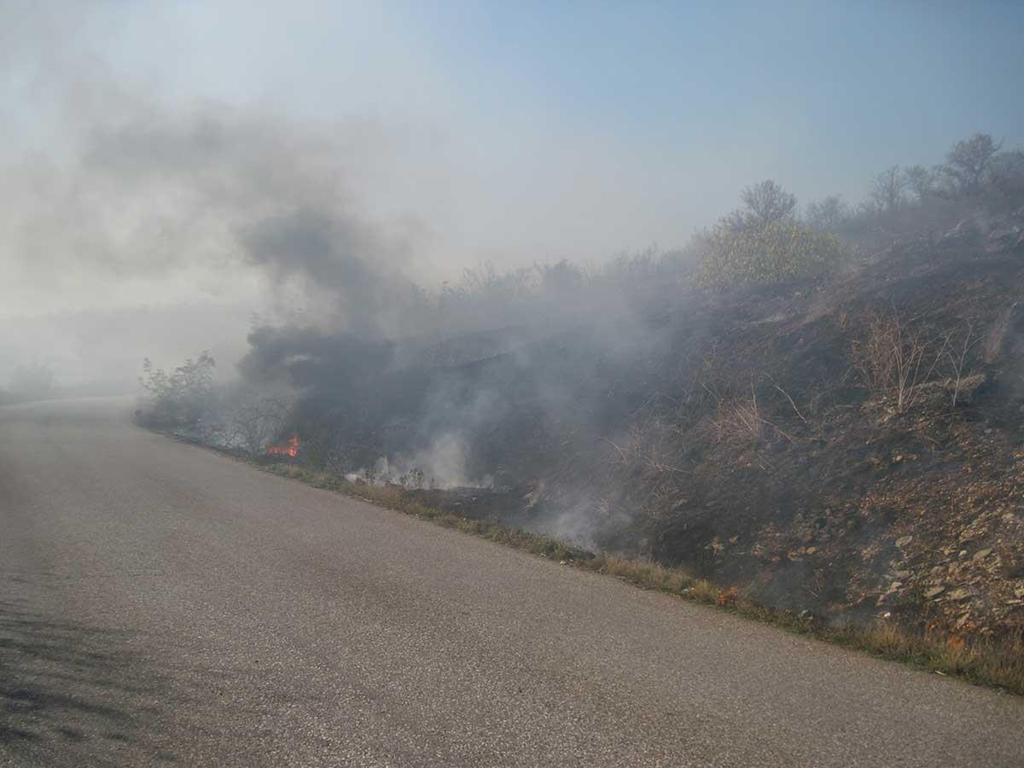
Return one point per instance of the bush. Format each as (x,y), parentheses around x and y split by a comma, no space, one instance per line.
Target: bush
(827,215)
(969,162)
(765,202)
(252,421)
(775,252)
(181,398)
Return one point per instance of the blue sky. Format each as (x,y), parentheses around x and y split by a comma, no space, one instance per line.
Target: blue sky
(513,132)
(847,83)
(667,109)
(503,132)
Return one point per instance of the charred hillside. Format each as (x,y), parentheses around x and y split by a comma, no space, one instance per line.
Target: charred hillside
(853,447)
(848,445)
(824,411)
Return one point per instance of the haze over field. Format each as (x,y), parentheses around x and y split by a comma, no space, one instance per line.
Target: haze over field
(176,173)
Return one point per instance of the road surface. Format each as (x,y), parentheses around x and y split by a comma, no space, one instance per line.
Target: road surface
(163,605)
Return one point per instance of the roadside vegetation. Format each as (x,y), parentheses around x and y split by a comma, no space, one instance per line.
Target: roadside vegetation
(813,417)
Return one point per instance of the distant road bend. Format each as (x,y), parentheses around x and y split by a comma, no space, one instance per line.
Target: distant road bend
(163,605)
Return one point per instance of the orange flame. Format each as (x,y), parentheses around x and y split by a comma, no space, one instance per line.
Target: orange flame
(289,448)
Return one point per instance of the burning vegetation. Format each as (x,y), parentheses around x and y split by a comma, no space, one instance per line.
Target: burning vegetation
(819,412)
(289,448)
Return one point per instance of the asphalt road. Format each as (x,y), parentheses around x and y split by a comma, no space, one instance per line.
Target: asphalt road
(163,605)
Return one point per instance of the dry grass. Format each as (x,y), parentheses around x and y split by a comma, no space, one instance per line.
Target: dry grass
(998,664)
(737,421)
(897,361)
(893,358)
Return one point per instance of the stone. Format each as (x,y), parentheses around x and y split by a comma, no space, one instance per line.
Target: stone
(934,592)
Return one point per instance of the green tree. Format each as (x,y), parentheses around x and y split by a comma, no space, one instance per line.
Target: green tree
(776,252)
(888,190)
(920,181)
(179,398)
(827,214)
(764,203)
(968,162)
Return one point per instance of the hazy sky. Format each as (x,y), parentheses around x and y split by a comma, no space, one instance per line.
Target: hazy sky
(458,132)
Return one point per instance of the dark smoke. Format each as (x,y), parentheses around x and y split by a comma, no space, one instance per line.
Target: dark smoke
(340,256)
(241,205)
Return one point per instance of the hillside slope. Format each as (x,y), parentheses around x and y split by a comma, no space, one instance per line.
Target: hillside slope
(848,446)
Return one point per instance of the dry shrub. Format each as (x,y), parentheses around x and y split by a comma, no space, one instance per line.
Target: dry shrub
(893,358)
(958,354)
(737,420)
(898,361)
(649,448)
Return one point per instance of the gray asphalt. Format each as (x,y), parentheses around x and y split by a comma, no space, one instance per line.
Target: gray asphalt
(163,605)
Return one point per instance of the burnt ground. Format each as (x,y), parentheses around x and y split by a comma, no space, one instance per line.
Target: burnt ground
(772,462)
